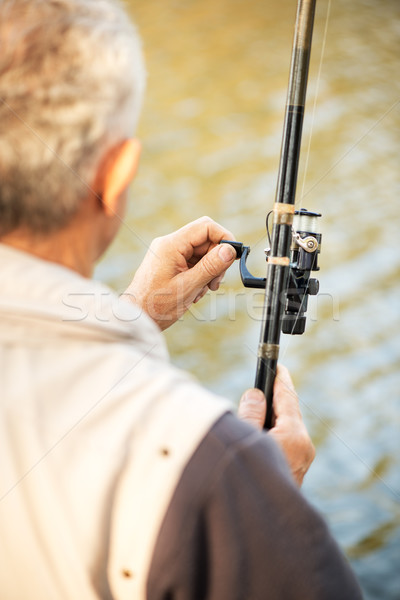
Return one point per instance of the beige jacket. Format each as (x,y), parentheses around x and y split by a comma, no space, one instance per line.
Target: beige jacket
(96,428)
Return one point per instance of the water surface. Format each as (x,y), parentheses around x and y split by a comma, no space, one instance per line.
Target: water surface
(211,132)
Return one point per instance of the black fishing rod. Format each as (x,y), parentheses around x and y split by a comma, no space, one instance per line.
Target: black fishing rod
(294,241)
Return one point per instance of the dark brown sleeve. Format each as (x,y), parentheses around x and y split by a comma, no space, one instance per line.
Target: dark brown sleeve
(238,528)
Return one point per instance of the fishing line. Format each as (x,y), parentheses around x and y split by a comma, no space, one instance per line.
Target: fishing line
(328,12)
(321,60)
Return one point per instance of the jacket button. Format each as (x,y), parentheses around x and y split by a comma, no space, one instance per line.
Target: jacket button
(127,573)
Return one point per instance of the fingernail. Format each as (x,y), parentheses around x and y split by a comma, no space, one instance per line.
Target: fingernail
(226,252)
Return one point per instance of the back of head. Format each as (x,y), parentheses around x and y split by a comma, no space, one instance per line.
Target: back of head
(71,84)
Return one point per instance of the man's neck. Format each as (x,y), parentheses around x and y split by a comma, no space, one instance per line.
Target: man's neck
(67,247)
(78,244)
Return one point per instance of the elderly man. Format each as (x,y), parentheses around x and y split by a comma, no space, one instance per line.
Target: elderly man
(121,477)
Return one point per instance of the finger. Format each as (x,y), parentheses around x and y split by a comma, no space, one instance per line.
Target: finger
(215,283)
(285,378)
(201,232)
(200,295)
(286,402)
(252,408)
(212,265)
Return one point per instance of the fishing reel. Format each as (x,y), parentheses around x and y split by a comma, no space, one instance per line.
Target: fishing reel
(304,250)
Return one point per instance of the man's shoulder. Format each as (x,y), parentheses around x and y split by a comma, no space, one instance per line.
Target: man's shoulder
(58,299)
(238,527)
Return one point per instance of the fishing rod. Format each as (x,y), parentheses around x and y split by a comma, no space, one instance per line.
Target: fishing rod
(295,240)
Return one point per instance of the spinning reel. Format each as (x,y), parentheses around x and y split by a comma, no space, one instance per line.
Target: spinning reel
(304,250)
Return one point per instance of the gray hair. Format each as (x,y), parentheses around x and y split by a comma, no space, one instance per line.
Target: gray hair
(71,84)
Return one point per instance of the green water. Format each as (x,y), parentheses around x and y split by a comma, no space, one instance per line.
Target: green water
(211,132)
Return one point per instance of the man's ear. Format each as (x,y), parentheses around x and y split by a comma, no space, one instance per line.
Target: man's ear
(117,172)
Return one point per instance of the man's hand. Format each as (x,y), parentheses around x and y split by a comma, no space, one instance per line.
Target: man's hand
(288,430)
(180,268)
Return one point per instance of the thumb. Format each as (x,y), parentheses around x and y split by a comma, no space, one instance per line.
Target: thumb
(212,265)
(253,407)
